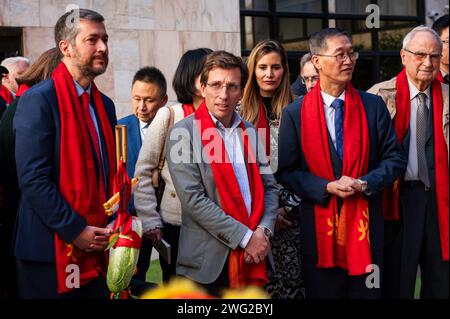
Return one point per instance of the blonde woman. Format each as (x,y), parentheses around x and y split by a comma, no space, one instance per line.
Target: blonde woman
(163,220)
(266,94)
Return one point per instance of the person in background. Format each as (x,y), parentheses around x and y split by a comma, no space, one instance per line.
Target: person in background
(16,66)
(162,220)
(266,94)
(441,26)
(39,71)
(308,72)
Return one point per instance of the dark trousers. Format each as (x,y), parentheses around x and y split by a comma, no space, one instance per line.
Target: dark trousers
(217,287)
(335,283)
(171,234)
(392,259)
(143,263)
(421,244)
(37,280)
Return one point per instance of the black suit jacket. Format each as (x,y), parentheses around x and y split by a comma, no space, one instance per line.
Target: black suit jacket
(386,163)
(42,210)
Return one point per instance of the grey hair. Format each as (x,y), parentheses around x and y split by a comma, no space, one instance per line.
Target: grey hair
(421,28)
(11,63)
(67,28)
(305,59)
(318,41)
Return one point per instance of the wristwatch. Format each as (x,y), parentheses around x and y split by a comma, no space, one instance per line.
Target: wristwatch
(266,231)
(364,185)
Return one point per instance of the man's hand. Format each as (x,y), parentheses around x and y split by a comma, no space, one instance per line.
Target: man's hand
(257,248)
(351,182)
(93,239)
(283,221)
(154,235)
(342,191)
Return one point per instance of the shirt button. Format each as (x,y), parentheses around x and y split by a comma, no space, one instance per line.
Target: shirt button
(173,194)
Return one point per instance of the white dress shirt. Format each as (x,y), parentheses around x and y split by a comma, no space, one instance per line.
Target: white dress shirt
(330,113)
(143,126)
(412,170)
(235,153)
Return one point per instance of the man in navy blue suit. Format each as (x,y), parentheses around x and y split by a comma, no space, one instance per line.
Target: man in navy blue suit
(148,94)
(337,151)
(65,167)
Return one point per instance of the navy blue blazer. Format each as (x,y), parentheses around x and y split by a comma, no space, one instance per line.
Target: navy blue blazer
(386,162)
(133,139)
(42,210)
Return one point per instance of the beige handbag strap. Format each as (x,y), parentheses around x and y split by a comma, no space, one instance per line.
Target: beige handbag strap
(163,154)
(157,171)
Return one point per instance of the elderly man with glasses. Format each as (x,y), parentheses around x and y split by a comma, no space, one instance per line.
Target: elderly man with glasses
(417,209)
(337,151)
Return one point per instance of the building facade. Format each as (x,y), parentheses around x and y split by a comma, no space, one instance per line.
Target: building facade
(158,32)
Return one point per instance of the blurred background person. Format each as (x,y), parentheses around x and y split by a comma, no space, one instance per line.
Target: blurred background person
(441,27)
(308,72)
(40,70)
(266,94)
(161,211)
(16,66)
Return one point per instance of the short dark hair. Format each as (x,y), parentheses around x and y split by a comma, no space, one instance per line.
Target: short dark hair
(224,60)
(66,27)
(189,68)
(440,24)
(150,74)
(318,41)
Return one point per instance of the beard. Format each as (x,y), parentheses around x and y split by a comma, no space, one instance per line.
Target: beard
(87,67)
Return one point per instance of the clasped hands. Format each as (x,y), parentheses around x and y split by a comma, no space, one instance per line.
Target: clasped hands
(344,187)
(257,248)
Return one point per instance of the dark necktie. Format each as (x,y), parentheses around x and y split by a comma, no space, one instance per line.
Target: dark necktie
(338,106)
(421,135)
(93,136)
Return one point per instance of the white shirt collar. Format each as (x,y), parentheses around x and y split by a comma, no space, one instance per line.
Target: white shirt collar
(235,121)
(328,99)
(413,91)
(142,124)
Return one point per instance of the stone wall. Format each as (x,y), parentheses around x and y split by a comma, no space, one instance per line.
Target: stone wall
(141,32)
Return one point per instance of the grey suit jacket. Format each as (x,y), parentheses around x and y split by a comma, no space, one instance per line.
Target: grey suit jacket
(207,233)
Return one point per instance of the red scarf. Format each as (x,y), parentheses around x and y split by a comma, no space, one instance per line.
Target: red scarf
(263,123)
(22,89)
(342,240)
(77,171)
(439,77)
(241,274)
(188,109)
(401,125)
(6,95)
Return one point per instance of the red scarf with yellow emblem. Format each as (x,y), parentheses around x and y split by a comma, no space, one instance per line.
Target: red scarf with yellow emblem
(342,238)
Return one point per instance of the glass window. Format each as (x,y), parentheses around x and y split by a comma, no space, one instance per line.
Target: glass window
(391,34)
(299,6)
(361,36)
(363,74)
(294,33)
(254,30)
(399,8)
(348,6)
(389,67)
(254,4)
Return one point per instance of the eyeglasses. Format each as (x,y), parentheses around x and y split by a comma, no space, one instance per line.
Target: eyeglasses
(307,79)
(341,57)
(216,87)
(420,56)
(444,42)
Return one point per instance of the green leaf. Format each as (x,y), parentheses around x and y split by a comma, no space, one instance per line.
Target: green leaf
(112,241)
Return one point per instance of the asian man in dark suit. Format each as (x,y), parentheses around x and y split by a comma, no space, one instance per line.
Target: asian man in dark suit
(337,151)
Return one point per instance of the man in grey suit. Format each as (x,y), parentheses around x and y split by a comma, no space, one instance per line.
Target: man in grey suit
(228,204)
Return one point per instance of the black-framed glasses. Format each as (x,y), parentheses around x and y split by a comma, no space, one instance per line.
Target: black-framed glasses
(422,55)
(230,87)
(353,56)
